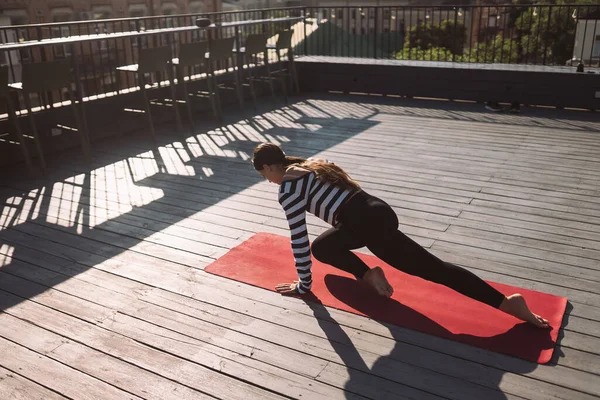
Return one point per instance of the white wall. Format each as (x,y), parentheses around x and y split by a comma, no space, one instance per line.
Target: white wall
(586,39)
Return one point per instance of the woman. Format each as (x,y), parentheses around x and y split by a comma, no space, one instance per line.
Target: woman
(358,220)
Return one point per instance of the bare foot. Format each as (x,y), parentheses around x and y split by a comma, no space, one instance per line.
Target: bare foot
(377,280)
(516,306)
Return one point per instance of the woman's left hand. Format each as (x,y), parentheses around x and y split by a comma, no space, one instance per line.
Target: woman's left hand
(287,288)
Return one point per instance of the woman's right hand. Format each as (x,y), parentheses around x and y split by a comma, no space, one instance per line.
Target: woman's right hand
(288,288)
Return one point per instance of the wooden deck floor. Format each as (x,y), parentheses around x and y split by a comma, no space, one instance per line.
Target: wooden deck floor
(103,293)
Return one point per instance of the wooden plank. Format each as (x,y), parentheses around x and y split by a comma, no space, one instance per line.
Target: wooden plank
(542,233)
(58,377)
(119,263)
(149,313)
(179,361)
(568,265)
(269,199)
(589,193)
(490,216)
(582,342)
(15,387)
(249,177)
(183,346)
(532,213)
(411,140)
(492,153)
(476,153)
(501,267)
(577,149)
(221,283)
(505,160)
(432,204)
(586,304)
(152,213)
(84,290)
(101,243)
(523,268)
(87,245)
(94,363)
(479,123)
(363,341)
(81,290)
(576,211)
(550,243)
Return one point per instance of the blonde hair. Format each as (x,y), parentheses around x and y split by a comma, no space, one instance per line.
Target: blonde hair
(270,154)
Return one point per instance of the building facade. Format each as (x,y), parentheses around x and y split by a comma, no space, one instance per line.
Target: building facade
(21,12)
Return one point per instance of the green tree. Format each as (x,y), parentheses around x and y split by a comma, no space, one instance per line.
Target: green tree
(448,34)
(498,50)
(547,34)
(431,54)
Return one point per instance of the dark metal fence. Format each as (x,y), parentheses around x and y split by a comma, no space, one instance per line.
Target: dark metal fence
(24,33)
(513,34)
(96,55)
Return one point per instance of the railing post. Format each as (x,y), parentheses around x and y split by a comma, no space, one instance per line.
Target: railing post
(546,35)
(455,22)
(305,13)
(38,32)
(585,25)
(375,20)
(139,38)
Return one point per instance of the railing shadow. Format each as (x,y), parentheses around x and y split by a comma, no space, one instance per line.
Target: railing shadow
(83,216)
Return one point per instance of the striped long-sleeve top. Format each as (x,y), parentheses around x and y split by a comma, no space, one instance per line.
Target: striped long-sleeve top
(302,194)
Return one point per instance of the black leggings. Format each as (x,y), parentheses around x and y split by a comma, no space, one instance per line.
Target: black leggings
(368,221)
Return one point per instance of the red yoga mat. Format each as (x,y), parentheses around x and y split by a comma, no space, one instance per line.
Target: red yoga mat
(266,260)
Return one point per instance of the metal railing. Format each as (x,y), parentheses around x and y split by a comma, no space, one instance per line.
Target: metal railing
(30,32)
(96,56)
(512,34)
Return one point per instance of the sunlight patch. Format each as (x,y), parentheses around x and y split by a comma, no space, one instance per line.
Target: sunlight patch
(252,132)
(272,139)
(209,146)
(237,134)
(194,148)
(264,123)
(174,160)
(312,127)
(79,224)
(6,253)
(142,165)
(8,212)
(207,171)
(64,201)
(38,204)
(114,190)
(20,209)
